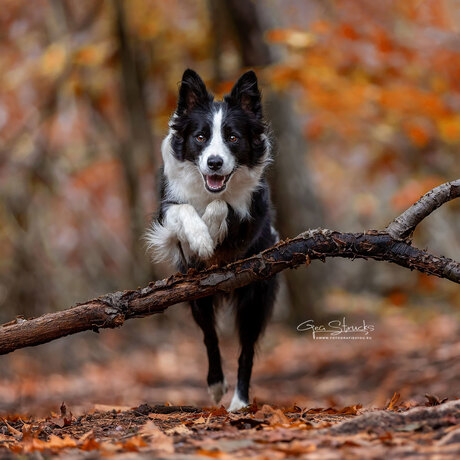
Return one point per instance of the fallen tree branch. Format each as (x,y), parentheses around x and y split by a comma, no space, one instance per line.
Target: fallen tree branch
(404,225)
(113,309)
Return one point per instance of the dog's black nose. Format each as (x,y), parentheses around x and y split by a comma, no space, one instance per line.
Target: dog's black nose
(215,162)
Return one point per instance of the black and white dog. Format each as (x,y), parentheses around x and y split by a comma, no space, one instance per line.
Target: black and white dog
(215,208)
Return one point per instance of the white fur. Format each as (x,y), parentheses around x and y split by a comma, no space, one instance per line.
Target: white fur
(163,241)
(237,403)
(217,147)
(215,217)
(218,390)
(198,236)
(185,183)
(182,224)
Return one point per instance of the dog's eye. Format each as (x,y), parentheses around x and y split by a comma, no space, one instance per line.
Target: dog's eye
(233,139)
(200,138)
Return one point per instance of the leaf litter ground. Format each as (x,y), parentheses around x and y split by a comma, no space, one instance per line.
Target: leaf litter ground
(313,399)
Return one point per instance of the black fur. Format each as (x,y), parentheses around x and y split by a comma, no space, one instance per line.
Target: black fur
(242,114)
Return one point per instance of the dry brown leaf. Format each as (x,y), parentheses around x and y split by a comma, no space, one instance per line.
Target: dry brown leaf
(109,408)
(253,408)
(64,419)
(179,429)
(108,447)
(350,410)
(54,443)
(273,416)
(4,438)
(25,426)
(158,440)
(433,400)
(16,433)
(89,444)
(293,409)
(393,404)
(220,411)
(87,441)
(86,435)
(133,444)
(299,425)
(14,418)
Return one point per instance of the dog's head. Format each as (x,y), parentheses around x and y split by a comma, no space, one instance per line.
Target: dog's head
(221,138)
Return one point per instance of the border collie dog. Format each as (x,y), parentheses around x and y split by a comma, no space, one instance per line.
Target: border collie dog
(215,208)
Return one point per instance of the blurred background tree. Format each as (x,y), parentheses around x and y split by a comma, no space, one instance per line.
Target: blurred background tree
(364,100)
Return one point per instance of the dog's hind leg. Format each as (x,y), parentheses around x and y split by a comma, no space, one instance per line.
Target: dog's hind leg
(255,303)
(203,313)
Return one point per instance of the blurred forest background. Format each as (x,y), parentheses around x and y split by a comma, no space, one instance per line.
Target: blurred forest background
(364,102)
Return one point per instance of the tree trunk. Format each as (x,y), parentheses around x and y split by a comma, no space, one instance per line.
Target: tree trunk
(136,149)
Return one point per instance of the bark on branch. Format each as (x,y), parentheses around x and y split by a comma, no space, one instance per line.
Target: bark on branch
(112,310)
(404,225)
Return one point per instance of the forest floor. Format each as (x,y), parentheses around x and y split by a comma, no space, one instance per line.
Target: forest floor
(146,397)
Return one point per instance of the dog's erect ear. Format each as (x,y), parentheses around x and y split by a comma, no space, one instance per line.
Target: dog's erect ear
(192,92)
(246,94)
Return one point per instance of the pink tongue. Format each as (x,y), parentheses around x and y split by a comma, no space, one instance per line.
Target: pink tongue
(215,181)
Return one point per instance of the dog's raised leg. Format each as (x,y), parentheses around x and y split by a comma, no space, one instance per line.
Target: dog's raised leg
(255,303)
(215,217)
(181,223)
(203,313)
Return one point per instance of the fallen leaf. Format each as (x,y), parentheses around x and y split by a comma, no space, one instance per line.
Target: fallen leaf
(133,444)
(109,408)
(350,410)
(54,443)
(220,411)
(273,416)
(158,440)
(16,433)
(393,404)
(433,400)
(89,444)
(179,429)
(4,438)
(87,441)
(65,418)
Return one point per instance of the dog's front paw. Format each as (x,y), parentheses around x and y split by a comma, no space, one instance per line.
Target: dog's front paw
(217,391)
(215,217)
(201,243)
(238,402)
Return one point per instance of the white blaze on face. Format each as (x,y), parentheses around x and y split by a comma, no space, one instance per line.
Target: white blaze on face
(218,148)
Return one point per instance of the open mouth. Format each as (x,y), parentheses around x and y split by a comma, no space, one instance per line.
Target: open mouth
(215,183)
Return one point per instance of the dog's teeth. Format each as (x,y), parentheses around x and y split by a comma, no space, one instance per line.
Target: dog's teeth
(215,182)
